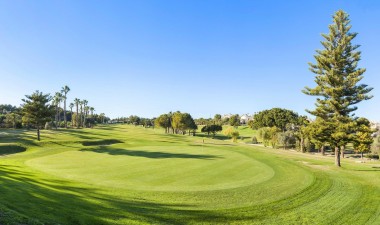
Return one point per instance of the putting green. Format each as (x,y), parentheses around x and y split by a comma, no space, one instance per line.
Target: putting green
(156,168)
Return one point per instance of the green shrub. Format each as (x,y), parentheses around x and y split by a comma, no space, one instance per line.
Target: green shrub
(372,156)
(254,140)
(235,135)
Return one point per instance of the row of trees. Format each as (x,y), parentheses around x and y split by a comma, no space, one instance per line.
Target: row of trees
(233,120)
(135,120)
(82,117)
(285,127)
(176,123)
(41,110)
(10,116)
(280,126)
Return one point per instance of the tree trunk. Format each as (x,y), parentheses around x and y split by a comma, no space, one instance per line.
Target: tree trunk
(77,117)
(362,155)
(38,134)
(302,144)
(337,156)
(342,150)
(64,112)
(323,150)
(56,117)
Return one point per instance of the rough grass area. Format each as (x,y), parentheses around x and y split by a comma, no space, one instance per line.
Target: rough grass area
(148,177)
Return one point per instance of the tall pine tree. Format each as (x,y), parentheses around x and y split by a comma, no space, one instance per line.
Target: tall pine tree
(337,78)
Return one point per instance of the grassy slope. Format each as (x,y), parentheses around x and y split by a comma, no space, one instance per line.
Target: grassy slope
(148,177)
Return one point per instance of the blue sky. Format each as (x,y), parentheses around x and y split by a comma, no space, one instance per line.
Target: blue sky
(202,57)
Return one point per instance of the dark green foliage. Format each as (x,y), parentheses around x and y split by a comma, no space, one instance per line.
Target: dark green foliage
(135,120)
(218,119)
(337,78)
(275,117)
(7,108)
(182,122)
(164,121)
(37,110)
(202,121)
(362,139)
(213,129)
(372,156)
(13,120)
(10,116)
(176,122)
(234,120)
(254,140)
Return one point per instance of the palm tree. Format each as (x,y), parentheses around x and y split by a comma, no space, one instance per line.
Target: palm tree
(71,106)
(57,102)
(81,111)
(102,116)
(64,91)
(86,109)
(92,109)
(85,102)
(77,102)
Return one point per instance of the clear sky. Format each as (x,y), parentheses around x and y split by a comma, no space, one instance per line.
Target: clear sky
(203,57)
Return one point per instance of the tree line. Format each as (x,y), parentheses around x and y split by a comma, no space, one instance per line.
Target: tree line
(43,111)
(281,127)
(177,123)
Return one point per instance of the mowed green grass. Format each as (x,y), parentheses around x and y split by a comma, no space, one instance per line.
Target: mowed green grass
(130,175)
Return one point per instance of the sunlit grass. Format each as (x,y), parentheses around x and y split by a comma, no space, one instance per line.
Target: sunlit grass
(132,175)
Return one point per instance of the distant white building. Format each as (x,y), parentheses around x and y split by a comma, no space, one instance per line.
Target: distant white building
(245,118)
(226,116)
(375,125)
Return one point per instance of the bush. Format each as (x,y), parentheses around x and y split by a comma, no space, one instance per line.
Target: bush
(48,125)
(228,131)
(235,136)
(372,156)
(254,140)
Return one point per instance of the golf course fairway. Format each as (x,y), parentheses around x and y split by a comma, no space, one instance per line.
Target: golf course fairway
(122,174)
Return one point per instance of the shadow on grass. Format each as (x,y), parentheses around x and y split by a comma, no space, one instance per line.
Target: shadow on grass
(101,142)
(20,136)
(80,133)
(216,137)
(149,154)
(11,149)
(26,198)
(374,169)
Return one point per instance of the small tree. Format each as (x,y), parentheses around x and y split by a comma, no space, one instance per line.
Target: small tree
(64,92)
(274,136)
(164,121)
(212,129)
(254,140)
(265,135)
(12,120)
(235,135)
(234,120)
(363,137)
(37,110)
(218,119)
